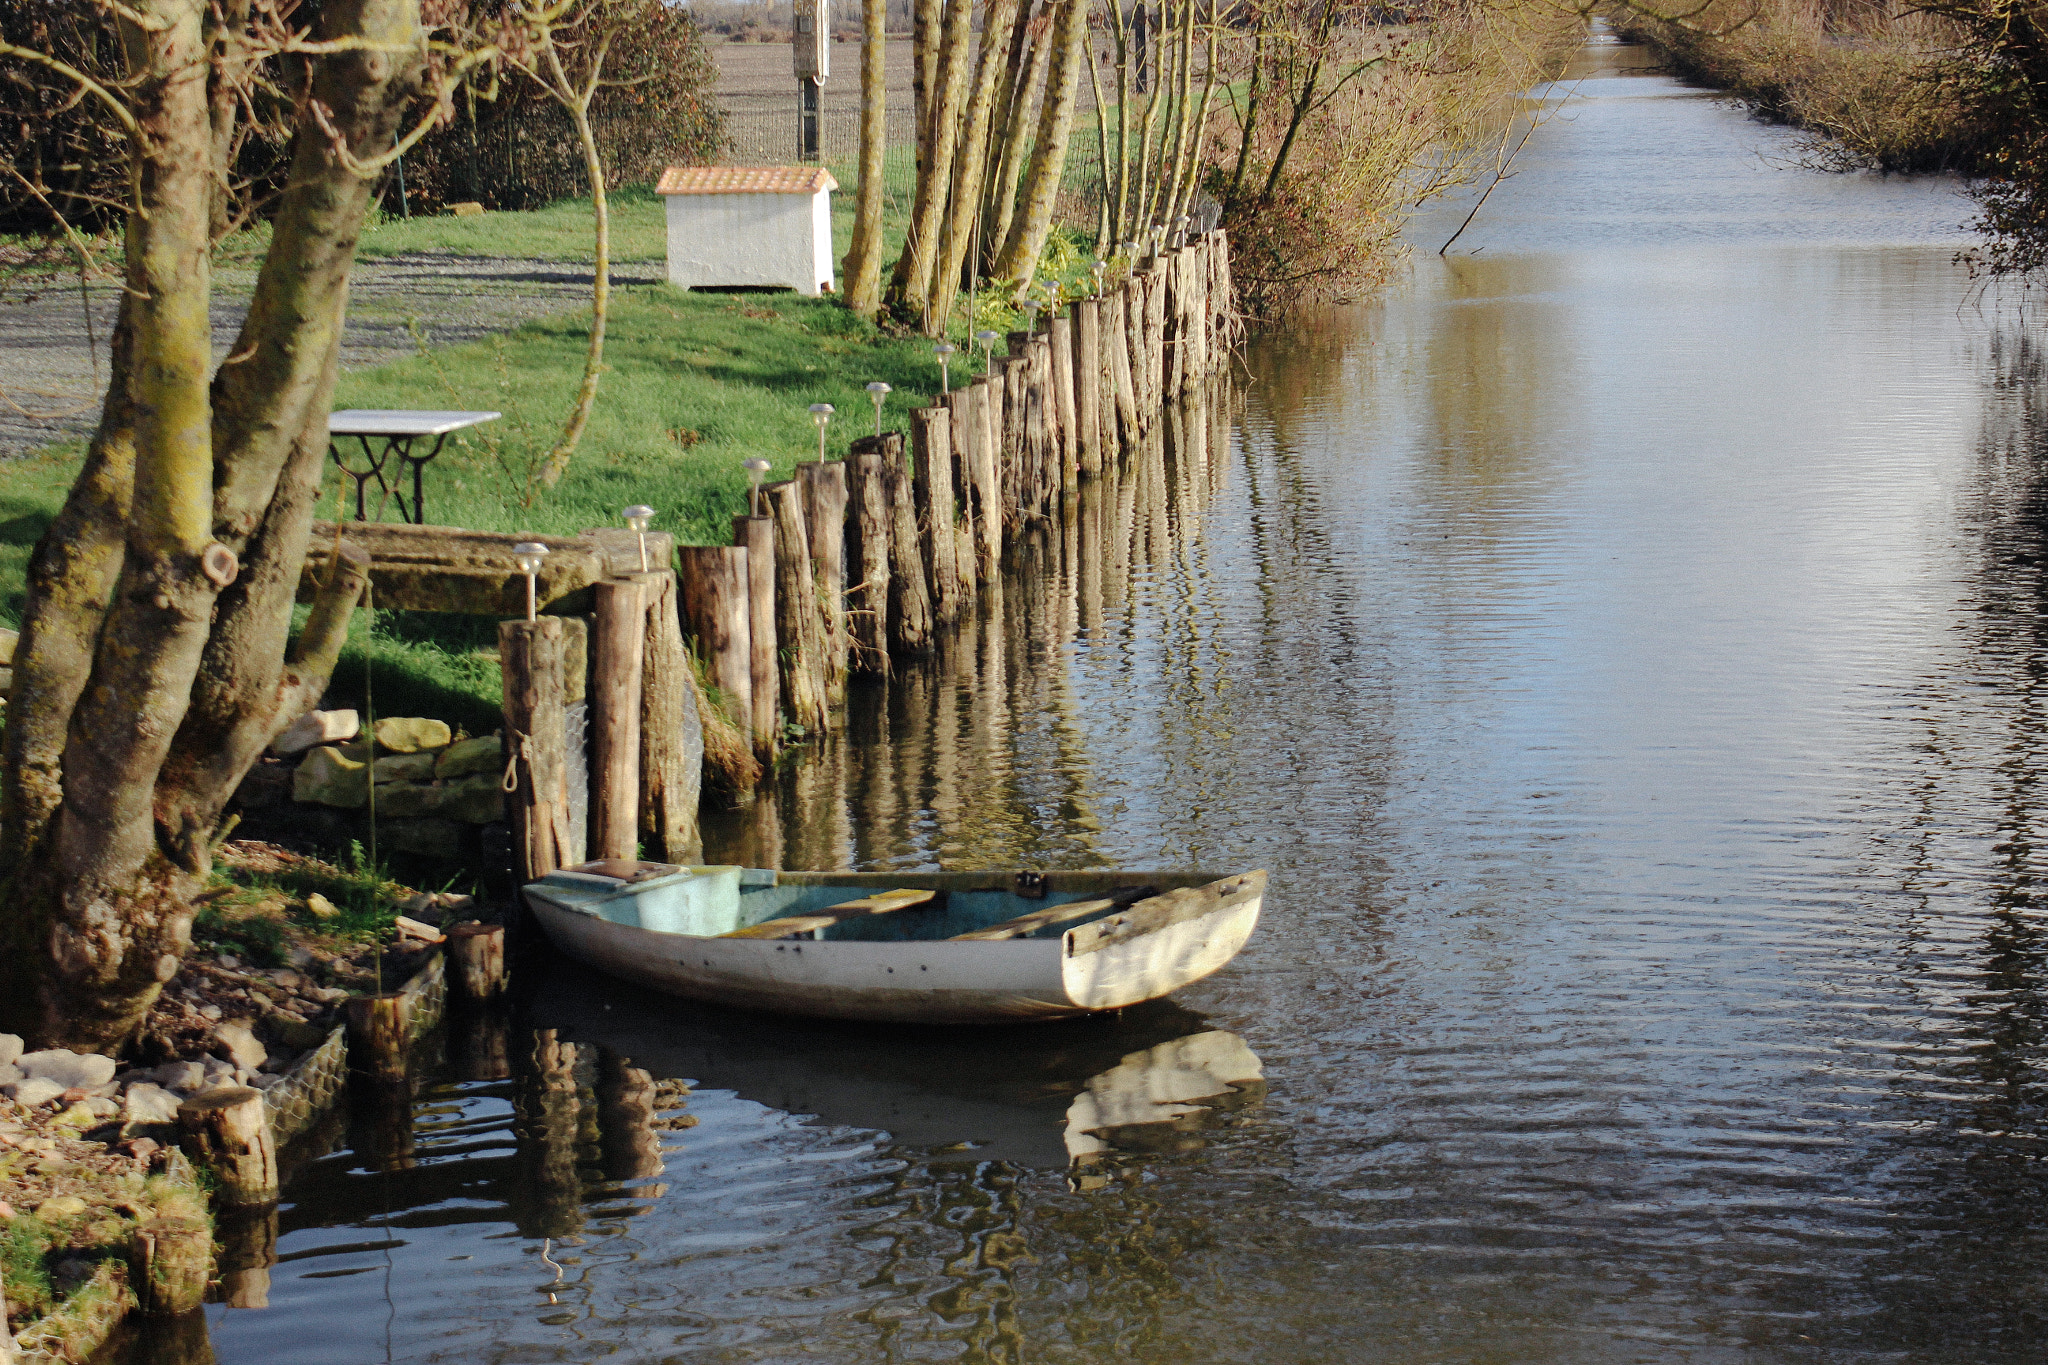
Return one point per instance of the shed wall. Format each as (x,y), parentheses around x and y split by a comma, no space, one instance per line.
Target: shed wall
(751,239)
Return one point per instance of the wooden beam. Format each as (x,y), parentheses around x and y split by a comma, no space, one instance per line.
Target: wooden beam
(810,922)
(446,568)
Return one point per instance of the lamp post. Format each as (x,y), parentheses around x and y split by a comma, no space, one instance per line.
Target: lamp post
(637,516)
(944,351)
(821,413)
(988,349)
(755,469)
(528,554)
(877,390)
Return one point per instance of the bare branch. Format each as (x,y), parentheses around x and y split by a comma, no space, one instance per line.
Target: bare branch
(79,78)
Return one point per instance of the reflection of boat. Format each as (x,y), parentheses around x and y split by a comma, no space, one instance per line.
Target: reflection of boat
(917,947)
(1038,1098)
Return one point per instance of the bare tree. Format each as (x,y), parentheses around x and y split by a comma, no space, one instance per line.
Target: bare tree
(863,264)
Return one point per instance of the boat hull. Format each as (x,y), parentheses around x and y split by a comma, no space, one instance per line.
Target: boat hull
(1104,967)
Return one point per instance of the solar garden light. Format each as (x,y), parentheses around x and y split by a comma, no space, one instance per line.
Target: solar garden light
(755,469)
(637,516)
(1100,268)
(877,390)
(944,351)
(988,349)
(821,413)
(1031,307)
(528,554)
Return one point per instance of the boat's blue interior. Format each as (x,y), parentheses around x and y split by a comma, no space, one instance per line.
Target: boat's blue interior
(717,900)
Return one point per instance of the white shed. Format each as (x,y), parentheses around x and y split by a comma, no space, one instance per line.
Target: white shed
(750,225)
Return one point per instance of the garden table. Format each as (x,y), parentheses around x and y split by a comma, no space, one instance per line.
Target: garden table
(397,428)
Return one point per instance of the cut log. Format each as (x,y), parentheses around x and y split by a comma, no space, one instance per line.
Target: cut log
(671,732)
(476,960)
(379,1028)
(799,624)
(825,499)
(228,1133)
(867,602)
(619,652)
(713,584)
(931,431)
(530,654)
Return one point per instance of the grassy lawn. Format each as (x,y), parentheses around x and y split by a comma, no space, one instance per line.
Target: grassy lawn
(695,384)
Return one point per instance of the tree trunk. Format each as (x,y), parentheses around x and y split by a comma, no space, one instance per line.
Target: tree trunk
(152,669)
(1008,164)
(911,284)
(577,103)
(1019,259)
(862,266)
(970,160)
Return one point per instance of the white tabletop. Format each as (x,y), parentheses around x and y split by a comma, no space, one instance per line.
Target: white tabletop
(402,422)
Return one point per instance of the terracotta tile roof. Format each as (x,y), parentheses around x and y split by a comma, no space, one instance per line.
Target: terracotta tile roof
(745,180)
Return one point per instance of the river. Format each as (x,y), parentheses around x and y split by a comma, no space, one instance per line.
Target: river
(1622,645)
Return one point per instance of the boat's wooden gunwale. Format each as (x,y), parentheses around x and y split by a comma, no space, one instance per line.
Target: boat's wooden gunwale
(1058,883)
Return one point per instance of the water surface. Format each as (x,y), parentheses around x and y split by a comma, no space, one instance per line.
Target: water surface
(1622,645)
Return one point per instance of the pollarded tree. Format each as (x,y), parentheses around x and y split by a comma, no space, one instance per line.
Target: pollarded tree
(154,665)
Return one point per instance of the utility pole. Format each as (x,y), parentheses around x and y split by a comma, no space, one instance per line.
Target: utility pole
(811,47)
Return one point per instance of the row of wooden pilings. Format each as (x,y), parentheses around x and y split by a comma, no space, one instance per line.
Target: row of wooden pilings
(859,559)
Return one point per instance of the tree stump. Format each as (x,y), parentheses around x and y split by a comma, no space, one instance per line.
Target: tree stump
(228,1132)
(476,961)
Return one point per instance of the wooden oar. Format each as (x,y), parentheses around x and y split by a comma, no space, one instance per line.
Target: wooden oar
(792,925)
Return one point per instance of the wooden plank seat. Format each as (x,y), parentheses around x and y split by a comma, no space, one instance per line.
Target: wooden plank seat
(794,926)
(1025,925)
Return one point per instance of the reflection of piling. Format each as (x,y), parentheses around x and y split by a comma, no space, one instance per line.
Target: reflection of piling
(548,1125)
(625,1118)
(381,1124)
(247,1249)
(479,1044)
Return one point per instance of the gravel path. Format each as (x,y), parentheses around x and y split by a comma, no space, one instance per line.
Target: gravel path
(50,388)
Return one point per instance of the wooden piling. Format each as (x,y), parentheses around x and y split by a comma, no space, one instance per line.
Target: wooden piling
(671,732)
(476,961)
(717,613)
(1153,386)
(825,498)
(379,1027)
(618,656)
(170,1261)
(960,427)
(867,601)
(1011,370)
(1116,343)
(1084,371)
(931,431)
(227,1132)
(799,624)
(910,604)
(757,534)
(988,474)
(1065,404)
(530,656)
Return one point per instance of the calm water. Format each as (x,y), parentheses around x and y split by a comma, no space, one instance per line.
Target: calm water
(1623,646)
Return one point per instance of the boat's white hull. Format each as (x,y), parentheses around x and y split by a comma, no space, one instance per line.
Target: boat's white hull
(940,981)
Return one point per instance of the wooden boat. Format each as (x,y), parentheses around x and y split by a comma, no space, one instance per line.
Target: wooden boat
(931,948)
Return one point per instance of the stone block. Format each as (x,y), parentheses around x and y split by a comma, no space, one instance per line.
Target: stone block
(31,1093)
(410,734)
(8,640)
(146,1104)
(241,1045)
(474,800)
(467,209)
(83,1070)
(330,778)
(316,728)
(10,1048)
(405,800)
(320,907)
(297,1034)
(433,837)
(9,1073)
(484,754)
(404,768)
(183,1077)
